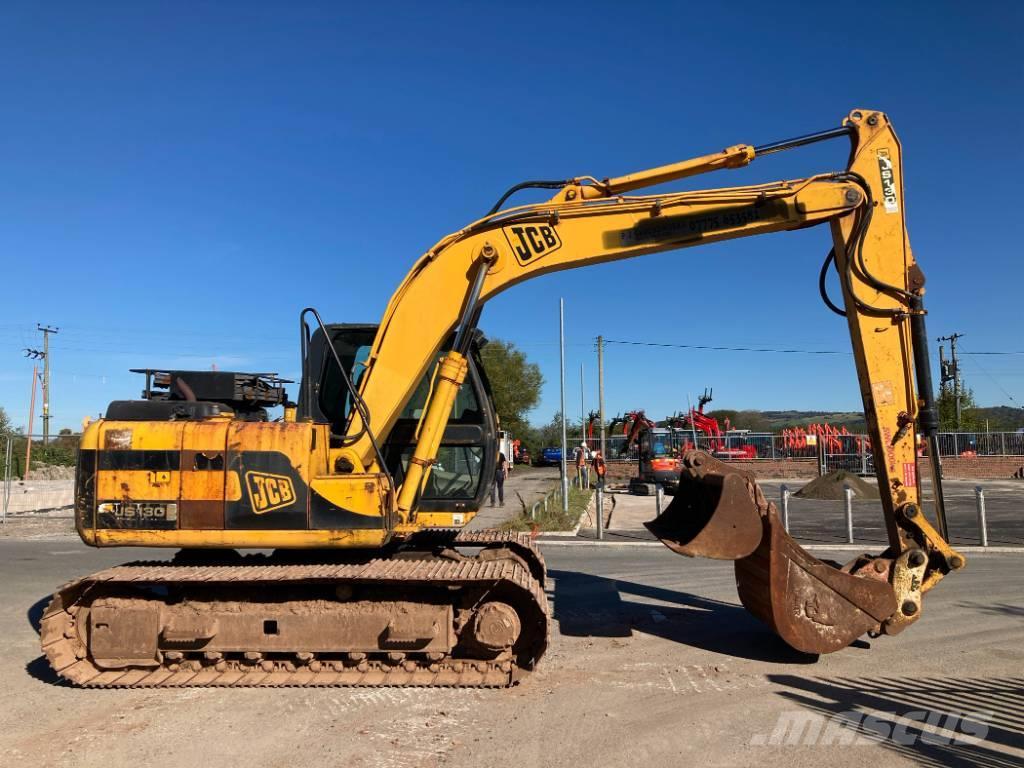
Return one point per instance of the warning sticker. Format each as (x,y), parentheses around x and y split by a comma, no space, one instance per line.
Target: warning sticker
(910,474)
(883,392)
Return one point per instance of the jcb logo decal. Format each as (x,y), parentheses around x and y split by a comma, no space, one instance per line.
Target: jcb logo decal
(531,241)
(888,174)
(268,492)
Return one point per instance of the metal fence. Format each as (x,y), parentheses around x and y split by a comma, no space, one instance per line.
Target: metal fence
(7,444)
(849,452)
(36,473)
(749,445)
(981,444)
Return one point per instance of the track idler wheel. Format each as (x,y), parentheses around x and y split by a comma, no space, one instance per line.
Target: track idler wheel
(721,513)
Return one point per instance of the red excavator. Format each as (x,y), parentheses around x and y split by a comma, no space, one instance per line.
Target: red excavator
(720,444)
(592,419)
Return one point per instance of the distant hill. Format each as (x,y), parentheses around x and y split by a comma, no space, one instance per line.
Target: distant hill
(774,421)
(1001,418)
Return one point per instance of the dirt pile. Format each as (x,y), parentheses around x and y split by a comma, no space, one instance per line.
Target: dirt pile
(830,487)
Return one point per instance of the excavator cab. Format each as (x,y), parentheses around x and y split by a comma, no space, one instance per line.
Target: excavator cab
(460,479)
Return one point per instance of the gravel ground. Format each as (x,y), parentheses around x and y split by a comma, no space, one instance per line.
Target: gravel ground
(652,662)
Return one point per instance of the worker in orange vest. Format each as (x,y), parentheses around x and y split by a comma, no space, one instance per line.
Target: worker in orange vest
(599,468)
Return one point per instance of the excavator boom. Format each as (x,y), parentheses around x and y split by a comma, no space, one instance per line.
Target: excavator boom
(882,298)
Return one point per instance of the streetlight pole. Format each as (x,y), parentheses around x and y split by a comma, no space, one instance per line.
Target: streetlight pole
(600,388)
(561,350)
(583,410)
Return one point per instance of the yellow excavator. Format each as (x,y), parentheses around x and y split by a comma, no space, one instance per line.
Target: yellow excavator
(363,488)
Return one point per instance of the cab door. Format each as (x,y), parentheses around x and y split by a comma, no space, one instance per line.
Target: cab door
(464,472)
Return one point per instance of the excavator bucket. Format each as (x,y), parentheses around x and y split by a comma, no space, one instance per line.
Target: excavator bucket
(721,513)
(711,515)
(815,607)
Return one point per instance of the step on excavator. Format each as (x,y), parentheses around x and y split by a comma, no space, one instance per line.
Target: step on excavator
(363,488)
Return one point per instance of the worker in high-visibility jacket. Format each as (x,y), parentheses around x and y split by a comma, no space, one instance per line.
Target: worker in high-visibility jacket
(599,468)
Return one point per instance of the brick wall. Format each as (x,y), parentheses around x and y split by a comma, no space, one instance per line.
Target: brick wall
(806,468)
(621,471)
(982,467)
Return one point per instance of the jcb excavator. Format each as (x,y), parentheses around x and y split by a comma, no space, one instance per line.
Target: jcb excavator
(363,486)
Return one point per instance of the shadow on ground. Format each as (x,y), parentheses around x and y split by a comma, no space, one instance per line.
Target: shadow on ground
(35,612)
(40,669)
(594,606)
(933,722)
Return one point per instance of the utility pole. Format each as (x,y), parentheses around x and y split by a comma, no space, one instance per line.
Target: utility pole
(47,330)
(583,412)
(600,387)
(44,355)
(950,371)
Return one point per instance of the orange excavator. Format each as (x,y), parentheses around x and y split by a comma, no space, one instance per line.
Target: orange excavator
(658,453)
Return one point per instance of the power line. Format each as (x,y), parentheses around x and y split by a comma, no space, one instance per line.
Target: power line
(993,353)
(729,349)
(994,380)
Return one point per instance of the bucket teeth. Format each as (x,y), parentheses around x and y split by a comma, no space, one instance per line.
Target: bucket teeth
(721,513)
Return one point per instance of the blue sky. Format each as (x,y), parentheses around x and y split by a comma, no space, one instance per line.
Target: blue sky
(179,180)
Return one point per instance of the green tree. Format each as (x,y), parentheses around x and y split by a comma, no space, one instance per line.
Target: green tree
(550,434)
(969,421)
(5,422)
(515,384)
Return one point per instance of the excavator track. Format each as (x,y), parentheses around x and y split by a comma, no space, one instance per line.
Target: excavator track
(427,619)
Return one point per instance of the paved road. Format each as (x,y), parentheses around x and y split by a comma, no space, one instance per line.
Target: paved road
(523,487)
(652,663)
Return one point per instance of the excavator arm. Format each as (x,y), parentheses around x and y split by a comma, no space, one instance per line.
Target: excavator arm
(590,222)
(637,422)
